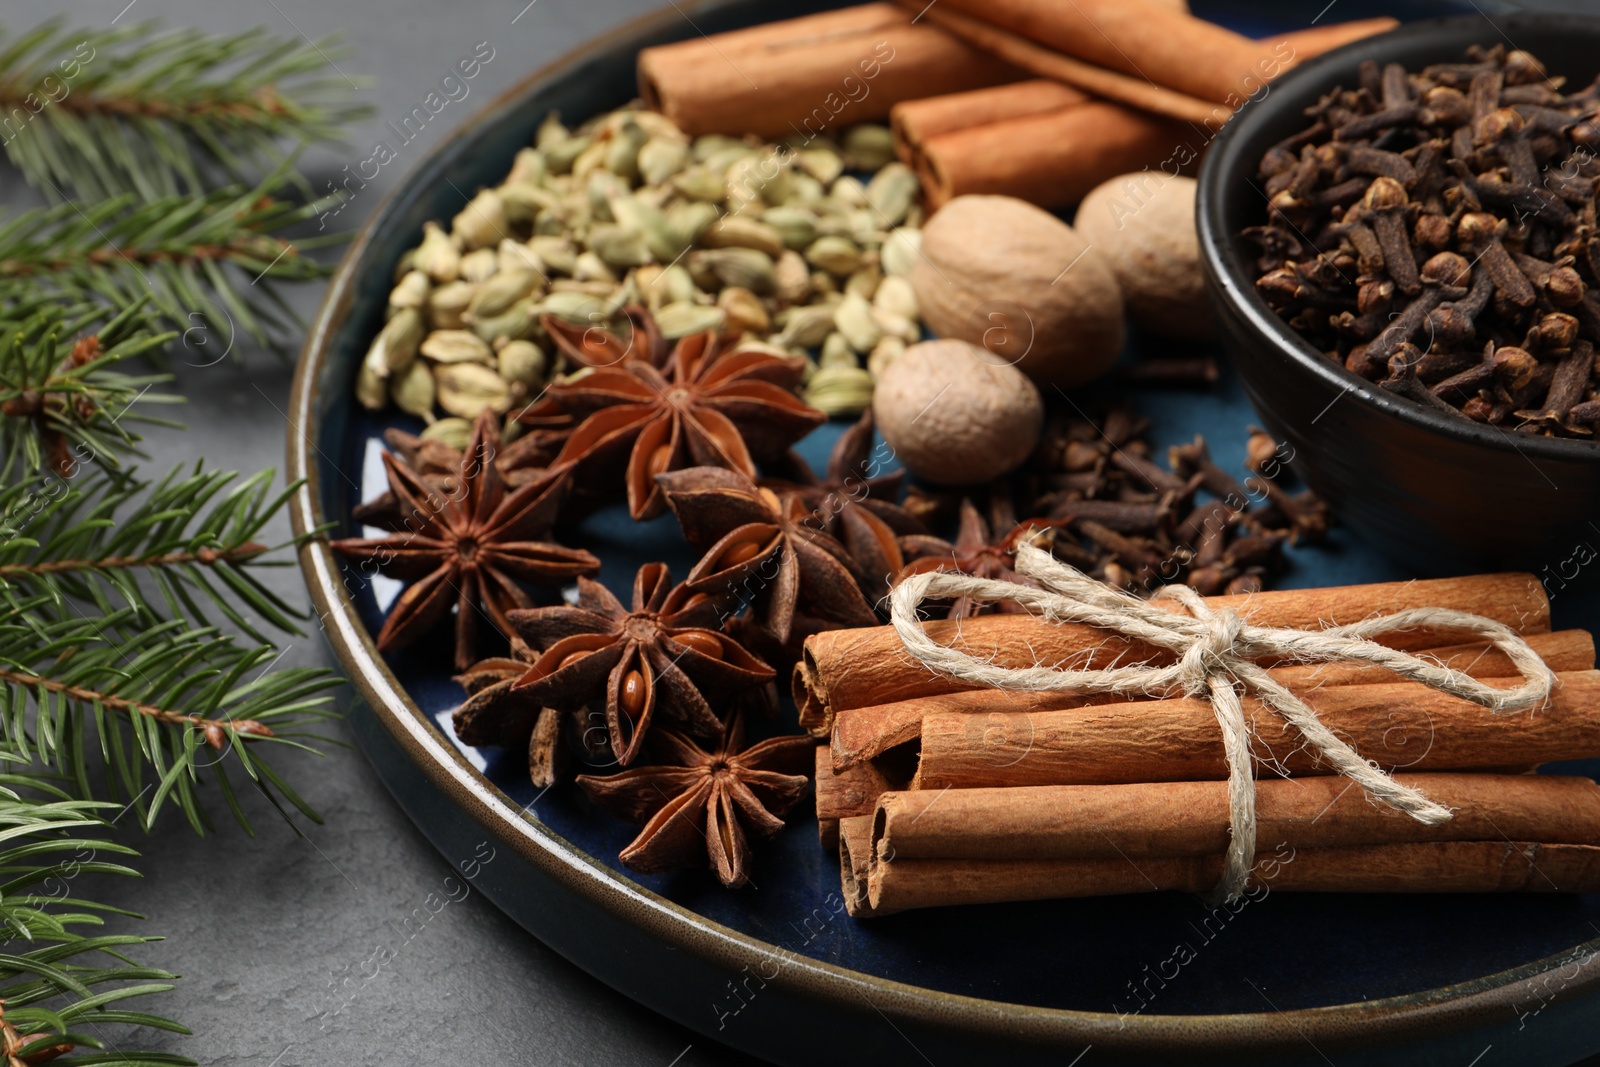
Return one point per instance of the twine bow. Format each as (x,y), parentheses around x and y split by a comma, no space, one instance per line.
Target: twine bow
(1216,654)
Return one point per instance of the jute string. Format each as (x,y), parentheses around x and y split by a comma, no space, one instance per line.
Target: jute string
(1216,656)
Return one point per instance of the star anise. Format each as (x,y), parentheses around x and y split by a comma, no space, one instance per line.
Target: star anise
(708,405)
(469,548)
(855,505)
(591,345)
(491,696)
(977,550)
(439,464)
(698,803)
(764,548)
(666,655)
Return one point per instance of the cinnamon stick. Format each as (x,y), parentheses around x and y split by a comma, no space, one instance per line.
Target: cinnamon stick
(1140,40)
(914,121)
(1315,40)
(1398,726)
(1052,159)
(854,791)
(1495,866)
(861,734)
(859,667)
(1134,90)
(810,75)
(1191,818)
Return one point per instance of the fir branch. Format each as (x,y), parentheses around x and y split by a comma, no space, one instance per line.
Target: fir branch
(159,114)
(61,401)
(190,536)
(61,985)
(161,702)
(206,264)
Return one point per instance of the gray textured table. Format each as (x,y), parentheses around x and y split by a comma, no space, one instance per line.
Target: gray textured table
(268,931)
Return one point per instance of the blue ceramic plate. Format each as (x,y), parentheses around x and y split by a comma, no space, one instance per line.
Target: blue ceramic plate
(777,968)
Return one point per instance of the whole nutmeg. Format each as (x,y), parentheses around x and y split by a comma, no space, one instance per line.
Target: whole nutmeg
(955,414)
(1143,226)
(1008,276)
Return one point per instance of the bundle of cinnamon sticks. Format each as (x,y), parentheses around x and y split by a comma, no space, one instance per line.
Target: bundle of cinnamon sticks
(937,794)
(1025,98)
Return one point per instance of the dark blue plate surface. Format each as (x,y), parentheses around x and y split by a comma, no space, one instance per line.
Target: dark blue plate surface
(1110,957)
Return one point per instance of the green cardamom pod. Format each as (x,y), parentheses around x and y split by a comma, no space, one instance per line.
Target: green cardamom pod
(868,147)
(516,321)
(448,303)
(522,363)
(682,320)
(884,353)
(891,192)
(796,226)
(837,255)
(372,388)
(687,223)
(853,319)
(900,251)
(660,159)
(622,156)
(839,391)
(556,253)
(561,156)
(896,297)
(437,255)
(528,168)
(457,346)
(551,132)
(411,292)
(413,391)
(482,222)
(744,267)
(395,347)
(468,389)
(823,164)
(452,431)
(479,265)
(804,327)
(744,310)
(737,231)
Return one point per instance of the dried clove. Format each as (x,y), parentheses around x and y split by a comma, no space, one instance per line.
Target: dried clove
(1485,174)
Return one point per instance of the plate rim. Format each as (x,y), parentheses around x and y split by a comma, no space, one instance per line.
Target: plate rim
(1451,1009)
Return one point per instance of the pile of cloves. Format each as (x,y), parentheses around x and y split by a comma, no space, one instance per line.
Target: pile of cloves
(1100,501)
(1436,233)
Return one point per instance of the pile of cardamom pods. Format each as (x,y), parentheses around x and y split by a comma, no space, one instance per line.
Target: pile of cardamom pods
(781,243)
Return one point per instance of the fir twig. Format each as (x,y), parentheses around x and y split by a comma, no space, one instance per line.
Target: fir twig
(162,703)
(206,264)
(190,536)
(159,114)
(59,986)
(61,401)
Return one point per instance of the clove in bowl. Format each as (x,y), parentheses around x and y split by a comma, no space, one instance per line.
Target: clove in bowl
(1344,305)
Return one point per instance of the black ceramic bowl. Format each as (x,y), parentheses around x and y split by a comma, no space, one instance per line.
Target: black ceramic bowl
(1440,493)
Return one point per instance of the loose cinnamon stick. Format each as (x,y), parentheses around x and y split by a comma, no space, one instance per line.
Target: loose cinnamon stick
(1135,91)
(1144,41)
(1496,866)
(861,734)
(1315,40)
(1052,159)
(1399,726)
(810,75)
(1191,818)
(914,121)
(859,667)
